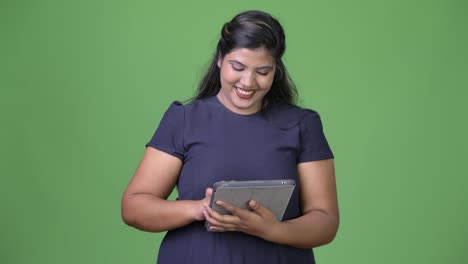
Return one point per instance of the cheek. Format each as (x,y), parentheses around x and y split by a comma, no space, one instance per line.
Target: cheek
(265,83)
(228,77)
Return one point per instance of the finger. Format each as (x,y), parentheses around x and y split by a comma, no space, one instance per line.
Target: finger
(225,219)
(224,222)
(225,229)
(257,207)
(217,225)
(234,210)
(221,229)
(209,191)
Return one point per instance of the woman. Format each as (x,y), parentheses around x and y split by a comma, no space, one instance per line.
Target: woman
(242,125)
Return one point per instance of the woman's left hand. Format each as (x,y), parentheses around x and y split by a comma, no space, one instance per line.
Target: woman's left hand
(258,221)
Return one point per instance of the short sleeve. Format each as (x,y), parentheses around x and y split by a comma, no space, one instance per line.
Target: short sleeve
(169,136)
(314,145)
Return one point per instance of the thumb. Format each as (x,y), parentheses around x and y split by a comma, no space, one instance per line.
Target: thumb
(257,207)
(207,199)
(208,192)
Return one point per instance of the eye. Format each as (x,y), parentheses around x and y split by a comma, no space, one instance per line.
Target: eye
(237,68)
(263,73)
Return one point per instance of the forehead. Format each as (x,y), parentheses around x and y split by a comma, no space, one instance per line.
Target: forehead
(251,57)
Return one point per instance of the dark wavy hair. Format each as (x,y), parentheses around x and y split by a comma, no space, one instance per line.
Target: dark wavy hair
(251,29)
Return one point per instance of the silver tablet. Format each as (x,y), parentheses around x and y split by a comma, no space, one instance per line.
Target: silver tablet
(273,194)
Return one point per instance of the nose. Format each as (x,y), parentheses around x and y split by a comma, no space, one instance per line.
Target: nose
(248,79)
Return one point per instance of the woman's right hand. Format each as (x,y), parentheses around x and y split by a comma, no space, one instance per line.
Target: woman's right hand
(200,205)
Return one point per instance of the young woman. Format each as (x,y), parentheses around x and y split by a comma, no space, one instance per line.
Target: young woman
(242,124)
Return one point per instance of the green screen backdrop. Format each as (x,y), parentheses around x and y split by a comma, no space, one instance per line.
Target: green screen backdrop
(85,83)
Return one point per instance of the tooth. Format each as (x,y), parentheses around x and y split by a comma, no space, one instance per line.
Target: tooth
(245,92)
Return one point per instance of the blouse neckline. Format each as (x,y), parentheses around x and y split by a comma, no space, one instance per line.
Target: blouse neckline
(216,100)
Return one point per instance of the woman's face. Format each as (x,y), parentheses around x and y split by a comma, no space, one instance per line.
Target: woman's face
(246,77)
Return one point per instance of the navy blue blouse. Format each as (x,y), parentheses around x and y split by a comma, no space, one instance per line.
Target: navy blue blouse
(217,144)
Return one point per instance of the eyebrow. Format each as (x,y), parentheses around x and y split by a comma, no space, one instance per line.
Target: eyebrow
(267,67)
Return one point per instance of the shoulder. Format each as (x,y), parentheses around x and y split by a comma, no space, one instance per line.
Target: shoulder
(174,112)
(192,105)
(175,106)
(195,111)
(286,116)
(179,107)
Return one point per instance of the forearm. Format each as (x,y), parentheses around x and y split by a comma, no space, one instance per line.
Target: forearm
(316,228)
(150,213)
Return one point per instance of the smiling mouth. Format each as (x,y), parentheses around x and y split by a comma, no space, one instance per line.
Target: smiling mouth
(245,94)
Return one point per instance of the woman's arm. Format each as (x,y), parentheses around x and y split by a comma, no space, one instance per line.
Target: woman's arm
(319,223)
(317,226)
(144,205)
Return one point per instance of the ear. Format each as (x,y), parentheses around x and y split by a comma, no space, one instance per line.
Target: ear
(220,60)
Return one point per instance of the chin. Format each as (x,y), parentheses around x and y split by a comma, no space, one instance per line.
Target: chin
(247,107)
(242,103)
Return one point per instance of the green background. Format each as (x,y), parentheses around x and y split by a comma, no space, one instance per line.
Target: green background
(85,83)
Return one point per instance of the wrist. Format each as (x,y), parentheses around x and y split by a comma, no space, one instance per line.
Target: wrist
(275,233)
(194,210)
